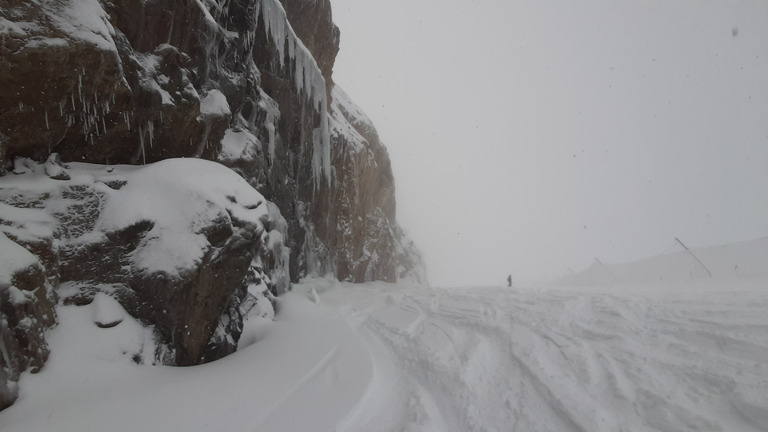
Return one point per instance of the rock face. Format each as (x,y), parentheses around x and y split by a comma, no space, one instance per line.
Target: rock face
(27,301)
(28,276)
(367,244)
(246,83)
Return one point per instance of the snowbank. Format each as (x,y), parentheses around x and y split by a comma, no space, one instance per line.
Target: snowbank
(89,384)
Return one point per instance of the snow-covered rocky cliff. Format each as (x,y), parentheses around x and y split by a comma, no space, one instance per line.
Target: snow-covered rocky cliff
(92,89)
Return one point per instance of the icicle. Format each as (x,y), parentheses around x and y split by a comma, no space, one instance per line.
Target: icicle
(170,28)
(272,110)
(271,131)
(141,143)
(204,141)
(321,150)
(151,130)
(308,80)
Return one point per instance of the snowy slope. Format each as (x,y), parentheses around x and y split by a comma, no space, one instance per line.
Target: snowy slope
(570,360)
(88,383)
(737,260)
(682,356)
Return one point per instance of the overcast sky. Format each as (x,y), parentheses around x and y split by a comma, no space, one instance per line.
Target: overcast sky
(529,137)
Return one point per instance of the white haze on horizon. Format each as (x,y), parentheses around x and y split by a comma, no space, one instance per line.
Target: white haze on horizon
(531,137)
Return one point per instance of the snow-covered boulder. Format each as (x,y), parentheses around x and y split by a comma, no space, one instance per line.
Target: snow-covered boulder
(172,242)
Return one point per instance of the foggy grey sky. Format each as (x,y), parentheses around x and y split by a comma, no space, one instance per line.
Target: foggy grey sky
(532,136)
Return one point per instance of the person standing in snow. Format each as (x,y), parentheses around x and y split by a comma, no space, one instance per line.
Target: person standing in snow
(509,280)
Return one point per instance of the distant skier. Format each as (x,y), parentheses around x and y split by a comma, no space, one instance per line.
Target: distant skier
(509,280)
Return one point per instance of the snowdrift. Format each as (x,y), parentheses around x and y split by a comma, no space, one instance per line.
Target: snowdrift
(672,356)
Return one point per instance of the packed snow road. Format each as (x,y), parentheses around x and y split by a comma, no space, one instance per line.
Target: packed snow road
(664,358)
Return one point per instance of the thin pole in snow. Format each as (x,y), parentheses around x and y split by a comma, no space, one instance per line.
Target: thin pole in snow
(694,256)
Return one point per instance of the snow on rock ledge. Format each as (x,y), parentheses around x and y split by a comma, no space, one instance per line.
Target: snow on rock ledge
(181,198)
(83,20)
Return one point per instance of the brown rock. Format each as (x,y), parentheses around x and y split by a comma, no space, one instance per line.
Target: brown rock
(26,312)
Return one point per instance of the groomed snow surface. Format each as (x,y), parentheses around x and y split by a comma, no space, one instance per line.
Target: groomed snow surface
(665,356)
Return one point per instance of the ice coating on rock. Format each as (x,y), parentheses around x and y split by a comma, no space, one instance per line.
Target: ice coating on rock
(270,121)
(307,78)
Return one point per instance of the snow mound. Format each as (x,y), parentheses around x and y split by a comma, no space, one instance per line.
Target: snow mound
(239,145)
(180,197)
(214,104)
(107,312)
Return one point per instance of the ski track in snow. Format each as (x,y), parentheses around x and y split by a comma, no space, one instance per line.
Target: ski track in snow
(381,358)
(563,360)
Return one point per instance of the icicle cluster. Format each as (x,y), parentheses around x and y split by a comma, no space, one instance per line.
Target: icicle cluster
(90,111)
(307,78)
